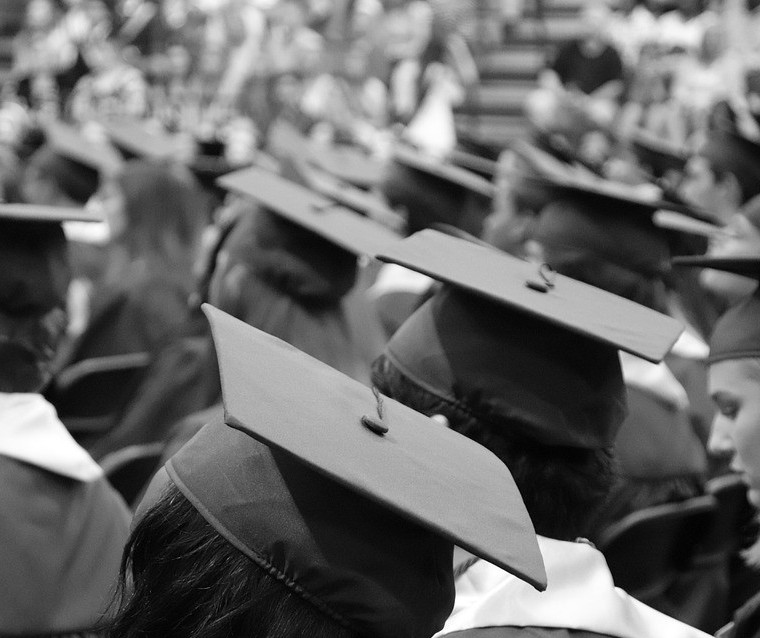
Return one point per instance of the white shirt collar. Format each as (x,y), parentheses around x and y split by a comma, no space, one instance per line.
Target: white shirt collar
(30,431)
(581,595)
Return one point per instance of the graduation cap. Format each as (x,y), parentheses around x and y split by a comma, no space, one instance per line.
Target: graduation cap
(612,222)
(68,142)
(657,154)
(34,267)
(431,191)
(737,333)
(309,210)
(536,348)
(347,163)
(351,500)
(364,202)
(135,140)
(445,171)
(729,151)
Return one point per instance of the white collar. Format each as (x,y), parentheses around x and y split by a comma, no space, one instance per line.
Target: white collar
(655,378)
(30,431)
(581,595)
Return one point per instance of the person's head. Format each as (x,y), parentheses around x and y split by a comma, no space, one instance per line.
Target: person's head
(41,14)
(723,176)
(734,381)
(610,244)
(562,487)
(154,210)
(34,279)
(594,20)
(203,583)
(299,263)
(273,525)
(498,353)
(430,194)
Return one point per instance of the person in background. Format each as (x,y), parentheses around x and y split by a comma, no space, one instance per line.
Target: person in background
(734,381)
(585,79)
(63,527)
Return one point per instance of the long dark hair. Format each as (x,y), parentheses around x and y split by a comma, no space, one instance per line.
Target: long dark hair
(562,487)
(181,579)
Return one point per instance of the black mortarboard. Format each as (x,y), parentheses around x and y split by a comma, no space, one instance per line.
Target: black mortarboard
(534,347)
(68,142)
(34,267)
(350,499)
(347,163)
(136,140)
(367,203)
(606,221)
(728,151)
(310,210)
(431,191)
(443,170)
(656,154)
(737,333)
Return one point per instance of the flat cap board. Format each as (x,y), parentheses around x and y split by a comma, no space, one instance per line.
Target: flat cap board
(314,212)
(671,220)
(747,266)
(355,198)
(571,304)
(46,214)
(137,139)
(348,163)
(608,193)
(454,174)
(294,403)
(69,142)
(472,162)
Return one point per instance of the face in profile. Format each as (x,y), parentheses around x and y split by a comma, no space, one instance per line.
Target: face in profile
(735,389)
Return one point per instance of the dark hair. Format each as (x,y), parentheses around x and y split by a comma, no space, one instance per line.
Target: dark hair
(164,211)
(645,290)
(181,579)
(562,487)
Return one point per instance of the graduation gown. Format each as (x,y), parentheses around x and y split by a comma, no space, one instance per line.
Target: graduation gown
(580,601)
(62,529)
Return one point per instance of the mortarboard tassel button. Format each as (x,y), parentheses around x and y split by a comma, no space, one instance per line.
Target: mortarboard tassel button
(547,274)
(374,425)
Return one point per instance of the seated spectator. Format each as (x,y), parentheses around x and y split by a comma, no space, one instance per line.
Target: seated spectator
(586,74)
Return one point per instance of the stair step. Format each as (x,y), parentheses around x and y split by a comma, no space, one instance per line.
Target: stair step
(495,132)
(501,98)
(511,62)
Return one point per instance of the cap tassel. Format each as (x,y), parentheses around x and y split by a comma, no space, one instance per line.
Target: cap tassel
(547,274)
(372,424)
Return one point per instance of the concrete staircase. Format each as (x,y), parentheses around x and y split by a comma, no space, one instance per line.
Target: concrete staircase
(492,115)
